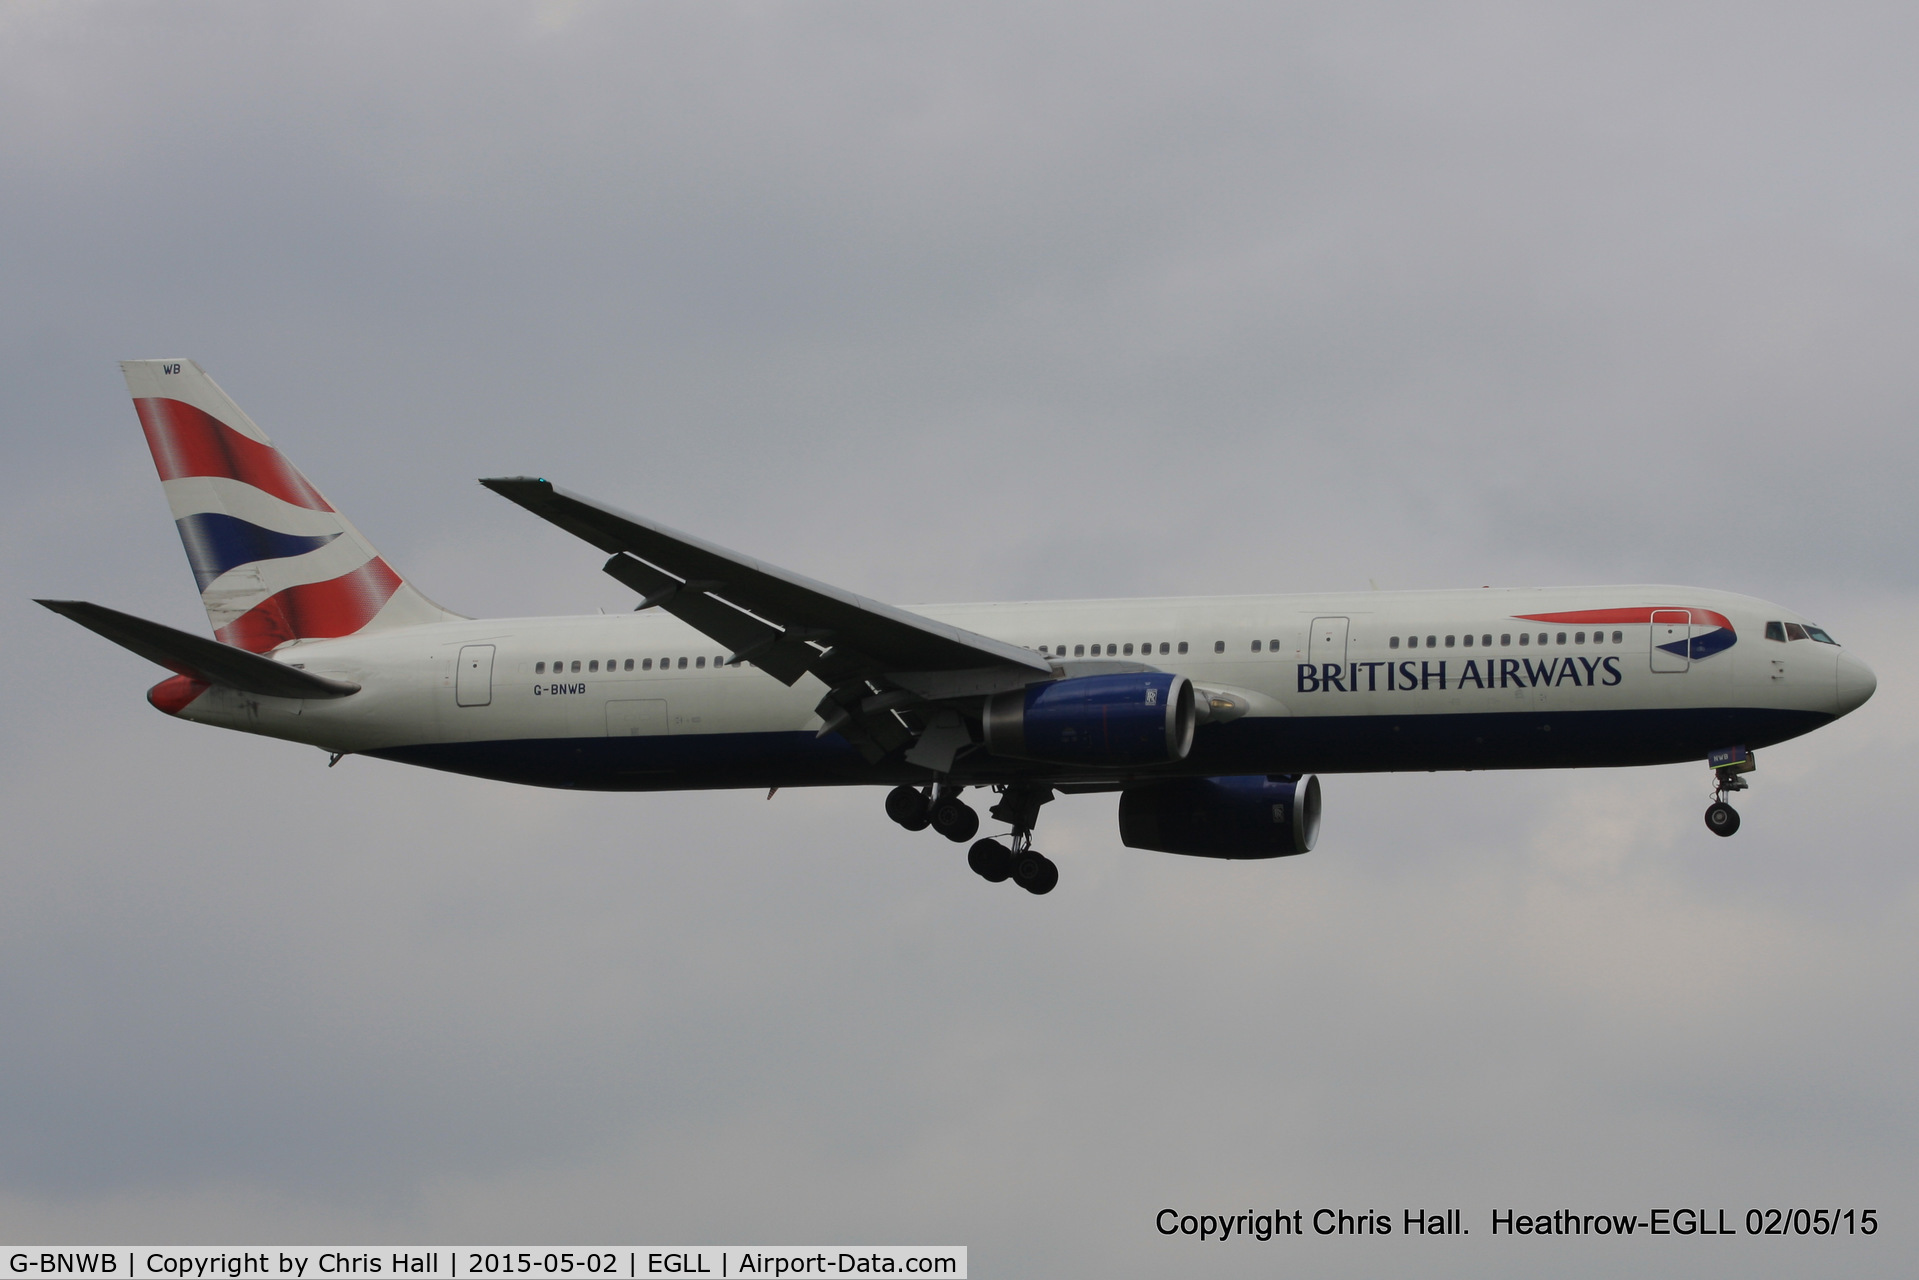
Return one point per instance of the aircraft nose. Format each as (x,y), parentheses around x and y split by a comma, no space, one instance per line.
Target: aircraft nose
(1853,683)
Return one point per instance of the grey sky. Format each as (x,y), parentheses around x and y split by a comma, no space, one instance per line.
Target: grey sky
(961,302)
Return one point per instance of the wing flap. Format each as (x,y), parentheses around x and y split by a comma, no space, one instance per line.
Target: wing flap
(750,639)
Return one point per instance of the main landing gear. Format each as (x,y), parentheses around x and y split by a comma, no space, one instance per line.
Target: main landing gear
(1026,866)
(940,807)
(1721,818)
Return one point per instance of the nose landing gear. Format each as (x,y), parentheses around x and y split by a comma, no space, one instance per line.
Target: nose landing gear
(1721,818)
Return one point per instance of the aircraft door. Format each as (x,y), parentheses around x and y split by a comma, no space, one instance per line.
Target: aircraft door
(1328,640)
(1671,640)
(636,718)
(473,683)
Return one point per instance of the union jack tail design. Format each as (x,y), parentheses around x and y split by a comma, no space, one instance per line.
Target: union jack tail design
(274,560)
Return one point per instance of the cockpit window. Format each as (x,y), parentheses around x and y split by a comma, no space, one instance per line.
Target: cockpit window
(1795,632)
(1819,635)
(1776,631)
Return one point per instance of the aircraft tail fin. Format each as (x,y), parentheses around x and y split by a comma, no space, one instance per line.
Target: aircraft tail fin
(275,562)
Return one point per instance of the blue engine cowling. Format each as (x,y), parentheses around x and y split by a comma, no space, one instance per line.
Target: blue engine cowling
(1256,817)
(1140,717)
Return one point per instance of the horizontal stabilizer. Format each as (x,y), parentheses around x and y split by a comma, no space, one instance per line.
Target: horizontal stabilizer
(199,657)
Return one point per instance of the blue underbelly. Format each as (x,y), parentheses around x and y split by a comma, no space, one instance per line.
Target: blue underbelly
(1298,744)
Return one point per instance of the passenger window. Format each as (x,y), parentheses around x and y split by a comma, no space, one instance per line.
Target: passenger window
(539,668)
(1776,631)
(1525,637)
(1219,646)
(593,665)
(1542,637)
(1255,646)
(1795,632)
(627,665)
(1562,637)
(700,661)
(1393,643)
(1111,649)
(1182,646)
(1486,641)
(682,664)
(1617,637)
(1163,646)
(576,664)
(1129,651)
(1078,650)
(646,664)
(1449,642)
(1273,645)
(1469,642)
(1579,637)
(1432,642)
(1505,637)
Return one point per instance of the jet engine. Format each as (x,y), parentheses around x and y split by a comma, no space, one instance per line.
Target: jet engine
(1134,718)
(1251,817)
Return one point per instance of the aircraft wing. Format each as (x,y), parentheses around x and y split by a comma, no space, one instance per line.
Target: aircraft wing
(199,657)
(776,619)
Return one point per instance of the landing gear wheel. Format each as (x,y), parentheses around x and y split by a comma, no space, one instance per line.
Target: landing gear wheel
(955,819)
(1721,818)
(991,860)
(1035,872)
(908,807)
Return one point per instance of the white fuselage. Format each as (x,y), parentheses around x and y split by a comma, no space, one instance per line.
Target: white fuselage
(1387,680)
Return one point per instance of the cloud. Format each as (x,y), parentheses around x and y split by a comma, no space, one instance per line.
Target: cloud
(950,303)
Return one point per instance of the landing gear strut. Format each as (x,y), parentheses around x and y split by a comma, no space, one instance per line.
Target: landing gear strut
(1026,866)
(1721,818)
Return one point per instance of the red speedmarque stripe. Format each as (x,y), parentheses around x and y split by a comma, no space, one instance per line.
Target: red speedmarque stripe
(192,442)
(1594,617)
(314,611)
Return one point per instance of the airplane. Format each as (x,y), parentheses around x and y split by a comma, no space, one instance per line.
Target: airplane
(1210,717)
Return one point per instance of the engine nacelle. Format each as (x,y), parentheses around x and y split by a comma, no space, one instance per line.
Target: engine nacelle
(1254,817)
(1138,717)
